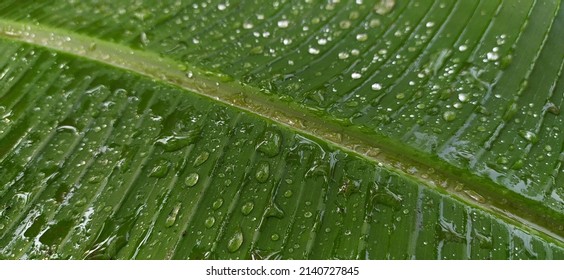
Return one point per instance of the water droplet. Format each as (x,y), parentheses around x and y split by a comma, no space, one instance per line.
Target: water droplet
(171,219)
(176,142)
(345,24)
(376,86)
(462,48)
(356,75)
(463,97)
(361,37)
(263,172)
(449,116)
(384,7)
(247,208)
(274,237)
(283,23)
(209,222)
(429,24)
(270,143)
(235,242)
(191,179)
(492,56)
(312,50)
(67,128)
(247,25)
(160,169)
(343,55)
(217,204)
(529,136)
(400,96)
(288,194)
(201,158)
(308,214)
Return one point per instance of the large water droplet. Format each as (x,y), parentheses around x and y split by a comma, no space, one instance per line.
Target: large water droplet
(171,219)
(160,169)
(384,7)
(209,222)
(529,136)
(449,116)
(270,143)
(235,242)
(201,158)
(191,179)
(173,143)
(247,208)
(217,204)
(263,172)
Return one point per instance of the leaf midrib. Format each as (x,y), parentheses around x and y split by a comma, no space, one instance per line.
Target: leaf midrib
(531,215)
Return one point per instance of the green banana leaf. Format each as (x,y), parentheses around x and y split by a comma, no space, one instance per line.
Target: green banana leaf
(383,129)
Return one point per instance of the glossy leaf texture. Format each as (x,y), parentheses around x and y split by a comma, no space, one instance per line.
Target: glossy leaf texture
(104,156)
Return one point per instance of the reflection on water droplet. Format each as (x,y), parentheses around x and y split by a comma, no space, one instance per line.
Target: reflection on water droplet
(356,75)
(247,208)
(263,172)
(308,214)
(191,179)
(274,237)
(235,242)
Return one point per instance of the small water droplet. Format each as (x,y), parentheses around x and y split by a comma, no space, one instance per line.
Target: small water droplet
(492,56)
(247,208)
(312,50)
(361,37)
(288,194)
(463,97)
(384,7)
(263,172)
(192,179)
(283,23)
(274,237)
(209,222)
(270,143)
(376,86)
(160,169)
(449,116)
(345,24)
(343,55)
(217,204)
(171,219)
(308,214)
(356,75)
(235,242)
(201,158)
(529,136)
